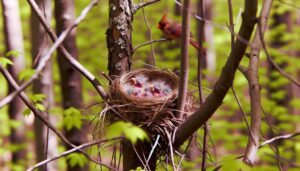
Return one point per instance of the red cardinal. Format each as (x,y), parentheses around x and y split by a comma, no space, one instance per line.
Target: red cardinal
(173,30)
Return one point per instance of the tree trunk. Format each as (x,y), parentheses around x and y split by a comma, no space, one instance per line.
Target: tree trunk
(43,85)
(119,55)
(119,37)
(209,39)
(14,41)
(70,78)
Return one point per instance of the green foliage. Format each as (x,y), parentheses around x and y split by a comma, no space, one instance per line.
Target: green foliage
(12,53)
(27,112)
(5,61)
(36,98)
(76,159)
(26,74)
(137,169)
(130,131)
(72,118)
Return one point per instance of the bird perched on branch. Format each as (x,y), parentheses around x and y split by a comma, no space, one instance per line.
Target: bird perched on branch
(173,30)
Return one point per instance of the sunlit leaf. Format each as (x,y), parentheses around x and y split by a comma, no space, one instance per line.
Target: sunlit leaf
(5,61)
(27,112)
(26,74)
(130,131)
(40,107)
(76,159)
(72,118)
(12,53)
(38,97)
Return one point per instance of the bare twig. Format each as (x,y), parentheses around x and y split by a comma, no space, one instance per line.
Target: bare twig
(243,113)
(150,36)
(215,99)
(231,24)
(47,56)
(281,137)
(277,67)
(136,7)
(199,78)
(222,27)
(82,146)
(171,149)
(290,4)
(153,148)
(37,113)
(255,96)
(150,42)
(184,59)
(66,54)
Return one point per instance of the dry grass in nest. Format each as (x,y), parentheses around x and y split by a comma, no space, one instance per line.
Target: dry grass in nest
(154,112)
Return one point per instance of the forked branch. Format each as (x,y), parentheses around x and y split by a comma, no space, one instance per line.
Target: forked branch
(215,99)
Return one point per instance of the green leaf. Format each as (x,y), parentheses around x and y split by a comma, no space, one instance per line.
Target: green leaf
(27,112)
(40,107)
(135,133)
(130,131)
(26,74)
(72,118)
(38,97)
(76,159)
(12,53)
(5,61)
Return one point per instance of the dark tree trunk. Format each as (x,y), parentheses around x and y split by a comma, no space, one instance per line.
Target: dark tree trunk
(43,85)
(119,37)
(119,61)
(70,78)
(14,41)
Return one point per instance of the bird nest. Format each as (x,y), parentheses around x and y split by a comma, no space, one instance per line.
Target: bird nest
(147,98)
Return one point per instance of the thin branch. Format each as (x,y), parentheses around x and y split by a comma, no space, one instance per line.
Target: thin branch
(184,59)
(215,99)
(136,7)
(281,137)
(150,36)
(82,146)
(222,27)
(255,95)
(290,4)
(37,113)
(201,57)
(153,148)
(277,67)
(66,54)
(150,42)
(44,60)
(231,24)
(243,113)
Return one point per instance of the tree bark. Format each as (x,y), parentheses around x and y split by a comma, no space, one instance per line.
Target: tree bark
(70,78)
(43,85)
(14,41)
(215,99)
(119,37)
(119,46)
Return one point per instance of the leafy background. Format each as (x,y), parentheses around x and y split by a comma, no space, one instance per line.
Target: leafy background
(227,128)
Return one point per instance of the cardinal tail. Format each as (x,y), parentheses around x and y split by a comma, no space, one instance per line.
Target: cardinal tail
(194,43)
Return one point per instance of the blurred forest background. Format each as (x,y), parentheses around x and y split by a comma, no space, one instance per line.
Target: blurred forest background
(227,129)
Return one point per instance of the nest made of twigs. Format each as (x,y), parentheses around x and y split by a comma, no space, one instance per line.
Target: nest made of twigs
(135,101)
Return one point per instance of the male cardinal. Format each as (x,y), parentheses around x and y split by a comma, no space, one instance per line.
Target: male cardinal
(173,30)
